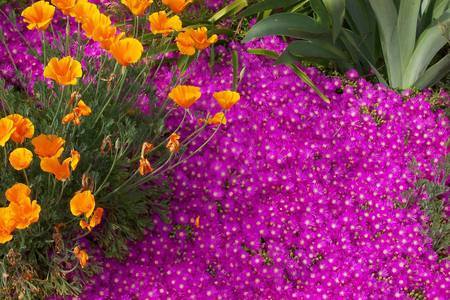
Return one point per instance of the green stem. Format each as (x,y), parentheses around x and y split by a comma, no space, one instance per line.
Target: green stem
(67,36)
(26,177)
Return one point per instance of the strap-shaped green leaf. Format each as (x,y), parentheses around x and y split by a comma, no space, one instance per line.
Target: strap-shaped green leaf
(267,4)
(321,11)
(407,26)
(434,73)
(287,24)
(316,49)
(336,8)
(230,9)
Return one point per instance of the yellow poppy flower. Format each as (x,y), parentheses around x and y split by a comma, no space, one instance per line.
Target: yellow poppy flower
(39,15)
(75,159)
(174,143)
(64,71)
(218,118)
(20,158)
(17,191)
(81,255)
(227,99)
(106,36)
(177,6)
(82,203)
(144,166)
(48,145)
(26,212)
(185,43)
(53,166)
(185,95)
(127,51)
(160,23)
(24,128)
(200,38)
(83,9)
(65,6)
(93,21)
(137,7)
(7,224)
(6,130)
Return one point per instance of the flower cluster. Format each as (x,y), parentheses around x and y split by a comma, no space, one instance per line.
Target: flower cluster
(296,199)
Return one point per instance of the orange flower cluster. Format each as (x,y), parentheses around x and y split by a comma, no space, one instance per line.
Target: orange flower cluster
(20,213)
(194,39)
(80,110)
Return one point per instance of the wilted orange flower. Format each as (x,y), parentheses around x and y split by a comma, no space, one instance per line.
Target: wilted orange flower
(7,224)
(200,37)
(91,22)
(160,23)
(71,117)
(83,10)
(227,99)
(197,222)
(174,143)
(20,158)
(146,148)
(25,211)
(137,7)
(127,51)
(64,71)
(177,6)
(53,166)
(75,159)
(106,36)
(144,166)
(82,109)
(185,95)
(6,130)
(48,145)
(24,128)
(81,255)
(82,203)
(95,220)
(64,5)
(185,43)
(218,118)
(39,15)
(17,191)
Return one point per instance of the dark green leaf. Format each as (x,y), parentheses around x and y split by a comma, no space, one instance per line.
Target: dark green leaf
(336,8)
(265,5)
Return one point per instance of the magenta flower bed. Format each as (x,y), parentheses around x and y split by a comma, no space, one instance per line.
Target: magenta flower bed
(294,199)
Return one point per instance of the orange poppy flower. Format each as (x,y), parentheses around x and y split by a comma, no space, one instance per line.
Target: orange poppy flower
(185,95)
(48,145)
(95,220)
(53,166)
(160,23)
(65,6)
(185,43)
(137,7)
(227,99)
(75,159)
(174,143)
(7,224)
(144,166)
(83,109)
(127,51)
(71,117)
(82,203)
(81,255)
(39,15)
(64,71)
(106,36)
(20,158)
(6,130)
(91,22)
(24,128)
(200,37)
(218,118)
(83,10)
(17,191)
(26,212)
(177,6)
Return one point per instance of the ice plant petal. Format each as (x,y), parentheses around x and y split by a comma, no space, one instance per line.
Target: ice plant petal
(177,6)
(185,95)
(82,203)
(127,51)
(137,7)
(48,145)
(160,23)
(6,130)
(227,99)
(64,71)
(39,15)
(20,158)
(24,128)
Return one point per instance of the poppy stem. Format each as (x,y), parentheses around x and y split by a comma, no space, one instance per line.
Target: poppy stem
(67,35)
(26,177)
